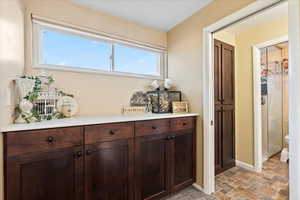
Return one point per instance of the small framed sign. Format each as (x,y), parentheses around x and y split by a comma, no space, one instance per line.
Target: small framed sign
(180,107)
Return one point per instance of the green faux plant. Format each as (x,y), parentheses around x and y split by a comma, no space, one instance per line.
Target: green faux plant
(33,96)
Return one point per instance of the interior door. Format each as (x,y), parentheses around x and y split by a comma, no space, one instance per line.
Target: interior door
(228,137)
(218,72)
(151,167)
(227,74)
(109,171)
(183,160)
(46,176)
(218,140)
(224,106)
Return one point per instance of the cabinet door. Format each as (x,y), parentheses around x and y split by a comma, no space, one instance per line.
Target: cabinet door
(218,71)
(218,140)
(228,138)
(227,74)
(183,160)
(151,167)
(56,175)
(109,170)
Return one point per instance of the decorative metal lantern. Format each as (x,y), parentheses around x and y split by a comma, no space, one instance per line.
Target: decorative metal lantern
(161,100)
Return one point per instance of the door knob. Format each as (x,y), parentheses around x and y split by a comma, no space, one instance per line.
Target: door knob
(88,152)
(79,154)
(169,138)
(50,139)
(111,132)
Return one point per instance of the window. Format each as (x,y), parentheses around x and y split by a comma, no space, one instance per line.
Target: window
(68,50)
(61,48)
(135,60)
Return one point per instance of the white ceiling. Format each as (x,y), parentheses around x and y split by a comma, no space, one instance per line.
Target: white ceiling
(265,17)
(158,14)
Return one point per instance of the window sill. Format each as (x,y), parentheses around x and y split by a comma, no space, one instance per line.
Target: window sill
(96,72)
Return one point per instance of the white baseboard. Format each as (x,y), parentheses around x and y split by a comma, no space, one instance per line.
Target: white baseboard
(198,187)
(245,165)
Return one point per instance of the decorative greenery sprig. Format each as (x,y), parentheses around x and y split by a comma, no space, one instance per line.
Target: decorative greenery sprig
(34,95)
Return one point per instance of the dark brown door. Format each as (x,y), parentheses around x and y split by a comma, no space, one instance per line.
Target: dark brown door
(227,74)
(56,175)
(218,139)
(151,167)
(224,106)
(109,170)
(218,72)
(183,161)
(228,139)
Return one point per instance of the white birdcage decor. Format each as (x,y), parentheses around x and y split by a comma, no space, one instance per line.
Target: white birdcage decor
(39,100)
(46,103)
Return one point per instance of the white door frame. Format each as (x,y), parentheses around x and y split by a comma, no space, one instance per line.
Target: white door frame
(258,157)
(294,98)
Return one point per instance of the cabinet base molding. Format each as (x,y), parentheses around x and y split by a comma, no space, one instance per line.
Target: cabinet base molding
(245,165)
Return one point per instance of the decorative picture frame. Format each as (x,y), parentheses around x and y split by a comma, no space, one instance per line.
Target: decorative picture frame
(180,107)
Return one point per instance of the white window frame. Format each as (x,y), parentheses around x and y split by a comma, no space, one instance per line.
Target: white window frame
(37,54)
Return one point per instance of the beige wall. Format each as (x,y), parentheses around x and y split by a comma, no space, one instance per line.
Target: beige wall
(11,52)
(11,60)
(225,37)
(185,59)
(244,94)
(96,94)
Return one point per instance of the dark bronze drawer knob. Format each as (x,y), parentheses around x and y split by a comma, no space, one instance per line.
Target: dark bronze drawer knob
(88,152)
(79,154)
(169,138)
(183,124)
(154,127)
(50,139)
(111,132)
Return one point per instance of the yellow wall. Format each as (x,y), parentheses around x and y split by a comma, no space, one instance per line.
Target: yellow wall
(185,59)
(11,60)
(96,94)
(225,37)
(11,51)
(244,94)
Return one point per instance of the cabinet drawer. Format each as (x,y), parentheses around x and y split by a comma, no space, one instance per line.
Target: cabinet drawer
(108,132)
(152,127)
(42,140)
(179,124)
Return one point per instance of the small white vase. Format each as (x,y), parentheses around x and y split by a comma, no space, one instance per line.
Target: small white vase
(24,86)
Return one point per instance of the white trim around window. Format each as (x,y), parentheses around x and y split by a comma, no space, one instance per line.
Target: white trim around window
(37,54)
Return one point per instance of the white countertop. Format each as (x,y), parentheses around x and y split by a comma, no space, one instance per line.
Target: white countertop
(81,121)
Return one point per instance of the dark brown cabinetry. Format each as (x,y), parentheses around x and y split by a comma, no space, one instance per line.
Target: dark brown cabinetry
(44,165)
(224,106)
(182,163)
(121,161)
(165,162)
(152,170)
(109,162)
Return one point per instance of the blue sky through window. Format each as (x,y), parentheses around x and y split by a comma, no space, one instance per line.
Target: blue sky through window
(135,60)
(74,51)
(69,50)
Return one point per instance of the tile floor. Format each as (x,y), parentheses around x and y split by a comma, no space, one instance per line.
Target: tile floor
(240,184)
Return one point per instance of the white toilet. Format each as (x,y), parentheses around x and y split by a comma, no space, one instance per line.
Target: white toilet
(285,151)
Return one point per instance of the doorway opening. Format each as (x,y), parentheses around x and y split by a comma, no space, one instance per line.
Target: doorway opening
(234,104)
(274,100)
